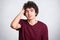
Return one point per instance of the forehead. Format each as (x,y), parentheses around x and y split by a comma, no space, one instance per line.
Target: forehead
(29,9)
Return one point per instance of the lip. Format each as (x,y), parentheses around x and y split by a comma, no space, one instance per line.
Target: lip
(29,16)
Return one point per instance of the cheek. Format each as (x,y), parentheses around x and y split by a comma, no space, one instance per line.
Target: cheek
(34,13)
(26,14)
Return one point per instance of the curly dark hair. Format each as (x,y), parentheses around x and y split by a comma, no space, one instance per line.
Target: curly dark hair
(31,4)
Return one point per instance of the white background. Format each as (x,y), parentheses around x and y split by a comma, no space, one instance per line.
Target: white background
(48,13)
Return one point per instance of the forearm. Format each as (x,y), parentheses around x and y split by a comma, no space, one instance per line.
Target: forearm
(16,20)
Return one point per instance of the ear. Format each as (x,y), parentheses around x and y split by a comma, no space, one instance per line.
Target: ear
(24,12)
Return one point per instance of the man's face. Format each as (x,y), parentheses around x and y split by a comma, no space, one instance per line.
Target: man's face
(30,13)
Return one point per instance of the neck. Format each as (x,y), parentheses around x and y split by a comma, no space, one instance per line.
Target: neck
(32,21)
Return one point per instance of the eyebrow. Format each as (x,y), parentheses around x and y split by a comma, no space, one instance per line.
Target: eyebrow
(30,9)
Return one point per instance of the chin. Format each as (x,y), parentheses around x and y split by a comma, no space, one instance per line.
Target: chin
(29,18)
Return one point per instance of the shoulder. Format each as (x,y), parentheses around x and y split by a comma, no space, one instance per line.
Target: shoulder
(42,25)
(22,20)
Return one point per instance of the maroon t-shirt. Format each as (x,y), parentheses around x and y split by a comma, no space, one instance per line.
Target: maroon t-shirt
(38,31)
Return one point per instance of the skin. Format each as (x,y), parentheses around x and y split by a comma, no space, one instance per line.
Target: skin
(15,22)
(30,15)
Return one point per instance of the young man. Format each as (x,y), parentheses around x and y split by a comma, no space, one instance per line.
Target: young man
(30,28)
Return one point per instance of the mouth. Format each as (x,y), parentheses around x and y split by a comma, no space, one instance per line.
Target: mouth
(29,16)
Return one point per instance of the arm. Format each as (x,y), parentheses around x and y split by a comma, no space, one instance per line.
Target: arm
(45,33)
(15,23)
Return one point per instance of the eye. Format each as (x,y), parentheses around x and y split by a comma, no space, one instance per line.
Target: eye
(31,10)
(27,11)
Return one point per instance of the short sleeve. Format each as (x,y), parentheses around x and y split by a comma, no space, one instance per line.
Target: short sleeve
(21,23)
